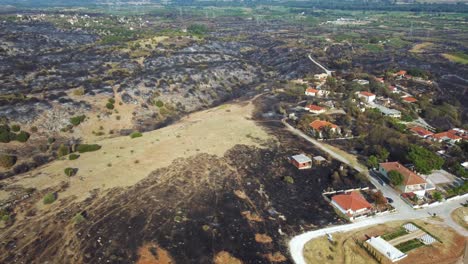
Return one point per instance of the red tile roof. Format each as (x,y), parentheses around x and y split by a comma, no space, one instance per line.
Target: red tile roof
(410,99)
(351,201)
(320,124)
(448,134)
(410,178)
(421,131)
(314,107)
(368,94)
(380,79)
(401,72)
(311,90)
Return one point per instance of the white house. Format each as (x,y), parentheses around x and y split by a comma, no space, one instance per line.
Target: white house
(411,181)
(367,96)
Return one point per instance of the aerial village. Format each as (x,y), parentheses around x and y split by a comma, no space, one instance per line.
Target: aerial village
(321,116)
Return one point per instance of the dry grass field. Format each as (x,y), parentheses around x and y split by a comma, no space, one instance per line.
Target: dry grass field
(460,215)
(123,161)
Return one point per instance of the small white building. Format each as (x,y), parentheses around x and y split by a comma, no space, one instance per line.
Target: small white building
(367,96)
(386,249)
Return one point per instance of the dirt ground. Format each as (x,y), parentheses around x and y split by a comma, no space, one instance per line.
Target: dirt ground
(460,216)
(346,250)
(123,161)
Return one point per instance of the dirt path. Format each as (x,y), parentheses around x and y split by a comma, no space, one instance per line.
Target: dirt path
(410,236)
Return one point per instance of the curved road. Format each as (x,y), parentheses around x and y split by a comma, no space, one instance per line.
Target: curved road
(404,211)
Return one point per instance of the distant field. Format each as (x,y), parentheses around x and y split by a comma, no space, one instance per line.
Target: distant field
(458,57)
(421,47)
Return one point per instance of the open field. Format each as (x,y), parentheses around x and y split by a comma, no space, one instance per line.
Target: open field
(421,47)
(456,57)
(123,161)
(347,251)
(460,216)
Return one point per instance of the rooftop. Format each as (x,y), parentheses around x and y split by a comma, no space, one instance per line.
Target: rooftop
(410,99)
(351,201)
(301,158)
(410,178)
(368,94)
(314,107)
(421,131)
(320,124)
(386,248)
(311,90)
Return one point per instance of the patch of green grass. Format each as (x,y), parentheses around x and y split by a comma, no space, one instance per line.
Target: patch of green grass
(373,48)
(73,156)
(397,233)
(458,57)
(409,245)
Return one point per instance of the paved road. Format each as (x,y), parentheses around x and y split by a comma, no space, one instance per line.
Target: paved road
(404,211)
(328,72)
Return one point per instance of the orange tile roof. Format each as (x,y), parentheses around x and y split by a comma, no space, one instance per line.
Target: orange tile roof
(447,134)
(401,72)
(410,178)
(320,124)
(311,90)
(368,94)
(421,131)
(351,201)
(314,107)
(410,99)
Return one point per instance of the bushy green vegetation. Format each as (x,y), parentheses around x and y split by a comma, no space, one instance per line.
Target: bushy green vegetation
(197,29)
(49,198)
(82,148)
(76,120)
(424,160)
(7,135)
(110,106)
(22,136)
(7,161)
(63,150)
(396,178)
(78,218)
(15,128)
(136,134)
(70,171)
(73,156)
(159,103)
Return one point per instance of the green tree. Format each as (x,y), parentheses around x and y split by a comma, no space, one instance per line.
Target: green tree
(395,177)
(7,161)
(22,136)
(424,160)
(49,198)
(437,196)
(372,162)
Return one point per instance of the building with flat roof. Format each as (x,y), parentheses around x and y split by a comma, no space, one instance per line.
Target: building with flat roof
(301,161)
(386,249)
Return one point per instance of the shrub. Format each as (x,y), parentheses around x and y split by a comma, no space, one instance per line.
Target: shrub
(79,91)
(34,129)
(111,100)
(159,103)
(5,134)
(49,198)
(63,150)
(22,136)
(70,171)
(7,161)
(110,106)
(82,148)
(15,128)
(136,134)
(50,140)
(288,179)
(78,218)
(76,120)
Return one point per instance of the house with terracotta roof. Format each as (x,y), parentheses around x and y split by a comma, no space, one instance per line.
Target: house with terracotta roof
(421,132)
(393,89)
(412,182)
(311,91)
(450,137)
(380,80)
(400,74)
(409,99)
(318,126)
(352,204)
(315,109)
(367,96)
